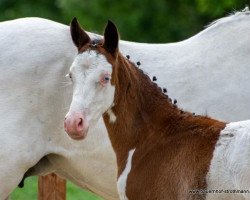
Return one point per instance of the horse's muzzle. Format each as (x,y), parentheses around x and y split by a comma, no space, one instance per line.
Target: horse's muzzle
(76,125)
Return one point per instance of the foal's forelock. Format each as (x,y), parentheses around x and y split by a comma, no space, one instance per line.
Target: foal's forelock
(97,45)
(92,45)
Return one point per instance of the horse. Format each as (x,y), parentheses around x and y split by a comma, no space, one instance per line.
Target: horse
(162,152)
(35,56)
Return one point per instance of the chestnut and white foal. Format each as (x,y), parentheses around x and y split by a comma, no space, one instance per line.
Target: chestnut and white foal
(162,152)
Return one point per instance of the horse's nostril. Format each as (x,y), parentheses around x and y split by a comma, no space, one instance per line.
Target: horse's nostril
(80,123)
(65,125)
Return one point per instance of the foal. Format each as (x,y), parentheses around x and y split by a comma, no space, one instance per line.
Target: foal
(162,152)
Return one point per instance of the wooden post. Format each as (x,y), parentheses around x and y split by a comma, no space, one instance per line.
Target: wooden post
(51,187)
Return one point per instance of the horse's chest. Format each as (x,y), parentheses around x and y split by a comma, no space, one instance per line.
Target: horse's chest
(147,180)
(158,174)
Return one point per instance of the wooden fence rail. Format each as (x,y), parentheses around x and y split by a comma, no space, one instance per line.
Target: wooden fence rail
(51,187)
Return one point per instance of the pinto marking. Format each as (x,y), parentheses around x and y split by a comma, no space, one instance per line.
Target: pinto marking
(227,169)
(112,117)
(176,151)
(122,180)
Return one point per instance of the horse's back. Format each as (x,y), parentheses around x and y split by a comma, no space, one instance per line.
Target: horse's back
(207,73)
(217,70)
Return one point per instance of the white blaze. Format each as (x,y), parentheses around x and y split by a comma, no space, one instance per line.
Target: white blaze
(89,96)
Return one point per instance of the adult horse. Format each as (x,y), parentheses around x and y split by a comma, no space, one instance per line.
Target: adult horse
(36,55)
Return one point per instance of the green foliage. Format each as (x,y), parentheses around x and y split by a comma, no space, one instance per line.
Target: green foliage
(11,9)
(75,193)
(215,9)
(140,20)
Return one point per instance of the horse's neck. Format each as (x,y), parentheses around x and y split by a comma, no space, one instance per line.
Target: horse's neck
(141,110)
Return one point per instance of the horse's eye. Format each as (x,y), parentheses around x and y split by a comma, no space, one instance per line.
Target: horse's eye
(104,79)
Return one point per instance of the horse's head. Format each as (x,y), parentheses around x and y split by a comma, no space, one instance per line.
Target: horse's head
(92,76)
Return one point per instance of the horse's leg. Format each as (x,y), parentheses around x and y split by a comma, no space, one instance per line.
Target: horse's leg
(13,172)
(12,178)
(16,176)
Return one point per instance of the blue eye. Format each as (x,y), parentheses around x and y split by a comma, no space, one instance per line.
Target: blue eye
(106,78)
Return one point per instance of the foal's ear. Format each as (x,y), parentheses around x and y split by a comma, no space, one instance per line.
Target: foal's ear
(79,36)
(111,38)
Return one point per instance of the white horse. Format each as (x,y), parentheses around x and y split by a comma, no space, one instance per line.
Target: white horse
(35,57)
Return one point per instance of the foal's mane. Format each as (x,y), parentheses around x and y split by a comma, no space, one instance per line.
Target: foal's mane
(151,91)
(144,79)
(138,78)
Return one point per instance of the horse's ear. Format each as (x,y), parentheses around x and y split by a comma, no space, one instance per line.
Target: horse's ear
(79,36)
(111,38)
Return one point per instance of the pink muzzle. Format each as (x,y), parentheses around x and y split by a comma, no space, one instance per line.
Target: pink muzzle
(76,125)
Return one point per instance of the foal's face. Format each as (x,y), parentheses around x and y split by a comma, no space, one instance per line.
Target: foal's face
(93,93)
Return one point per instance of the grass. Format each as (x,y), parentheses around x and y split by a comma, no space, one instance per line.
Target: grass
(29,192)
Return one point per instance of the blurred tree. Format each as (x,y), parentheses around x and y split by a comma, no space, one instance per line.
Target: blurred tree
(141,20)
(11,9)
(149,21)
